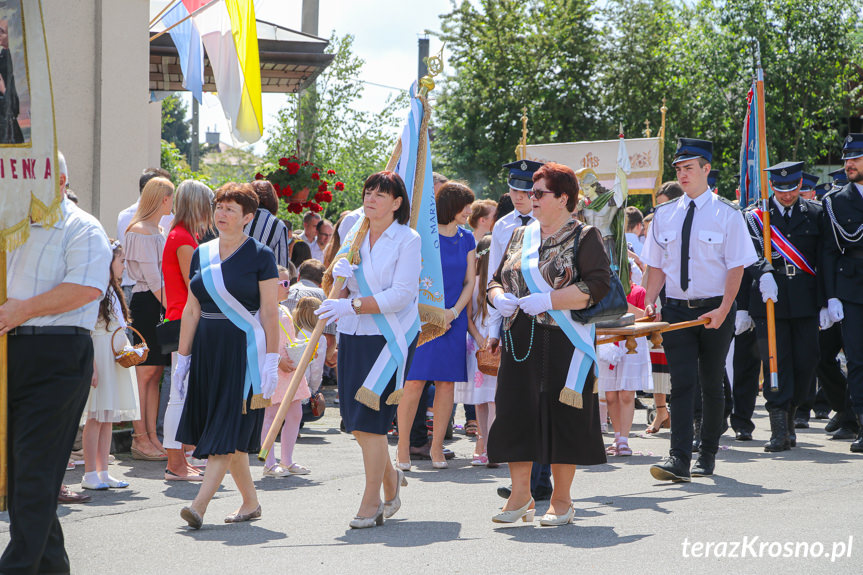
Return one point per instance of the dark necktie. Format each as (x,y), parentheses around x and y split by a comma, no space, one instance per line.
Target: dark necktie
(684,247)
(787,216)
(525,220)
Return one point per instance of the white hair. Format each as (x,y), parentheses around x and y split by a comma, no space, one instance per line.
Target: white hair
(61,164)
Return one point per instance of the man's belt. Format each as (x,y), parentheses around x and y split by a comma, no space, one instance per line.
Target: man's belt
(49,330)
(711,302)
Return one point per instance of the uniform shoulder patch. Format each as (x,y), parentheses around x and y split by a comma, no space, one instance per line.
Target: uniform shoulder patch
(668,203)
(728,202)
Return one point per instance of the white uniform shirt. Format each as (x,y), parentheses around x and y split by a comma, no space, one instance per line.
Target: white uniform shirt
(397,261)
(317,251)
(718,242)
(501,233)
(123,222)
(75,250)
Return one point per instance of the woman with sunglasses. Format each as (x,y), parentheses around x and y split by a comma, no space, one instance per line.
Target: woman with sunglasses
(547,409)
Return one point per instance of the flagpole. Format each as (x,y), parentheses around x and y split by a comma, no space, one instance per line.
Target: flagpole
(4,394)
(175,24)
(158,17)
(765,209)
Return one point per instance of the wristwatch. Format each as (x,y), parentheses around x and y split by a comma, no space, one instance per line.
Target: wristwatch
(356,303)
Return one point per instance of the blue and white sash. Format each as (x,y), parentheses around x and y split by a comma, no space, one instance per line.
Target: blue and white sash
(398,334)
(256,340)
(581,336)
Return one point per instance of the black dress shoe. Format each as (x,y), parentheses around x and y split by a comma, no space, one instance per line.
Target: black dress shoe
(541,493)
(821,414)
(671,469)
(696,444)
(743,436)
(857,445)
(704,466)
(834,423)
(844,433)
(800,423)
(504,492)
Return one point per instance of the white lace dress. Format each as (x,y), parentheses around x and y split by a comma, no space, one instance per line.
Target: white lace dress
(481,387)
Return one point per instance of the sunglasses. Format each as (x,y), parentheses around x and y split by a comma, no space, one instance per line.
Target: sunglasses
(538,193)
(285,283)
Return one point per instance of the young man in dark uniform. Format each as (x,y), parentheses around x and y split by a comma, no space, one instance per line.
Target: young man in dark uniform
(790,280)
(843,270)
(697,247)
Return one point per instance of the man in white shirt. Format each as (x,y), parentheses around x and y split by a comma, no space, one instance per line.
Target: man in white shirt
(55,283)
(126,215)
(310,228)
(324,231)
(697,247)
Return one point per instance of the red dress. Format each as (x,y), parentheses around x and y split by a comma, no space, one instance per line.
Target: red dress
(176,292)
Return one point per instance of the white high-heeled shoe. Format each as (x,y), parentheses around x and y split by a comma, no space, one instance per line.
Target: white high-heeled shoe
(514,515)
(366,522)
(394,504)
(403,466)
(551,520)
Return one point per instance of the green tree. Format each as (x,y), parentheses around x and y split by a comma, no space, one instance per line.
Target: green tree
(175,126)
(353,142)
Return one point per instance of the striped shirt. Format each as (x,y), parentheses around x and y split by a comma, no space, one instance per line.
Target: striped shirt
(75,250)
(270,231)
(306,288)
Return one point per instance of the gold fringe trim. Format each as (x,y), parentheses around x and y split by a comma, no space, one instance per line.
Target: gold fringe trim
(433,323)
(368,398)
(46,215)
(595,385)
(16,236)
(258,402)
(571,398)
(395,397)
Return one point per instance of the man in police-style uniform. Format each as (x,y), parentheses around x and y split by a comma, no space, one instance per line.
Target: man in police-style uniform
(843,270)
(697,247)
(789,280)
(520,182)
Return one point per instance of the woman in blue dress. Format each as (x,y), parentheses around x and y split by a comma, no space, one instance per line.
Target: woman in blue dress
(230,356)
(443,359)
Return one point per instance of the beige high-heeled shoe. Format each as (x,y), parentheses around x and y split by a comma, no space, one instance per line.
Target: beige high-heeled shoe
(551,520)
(394,504)
(366,522)
(523,513)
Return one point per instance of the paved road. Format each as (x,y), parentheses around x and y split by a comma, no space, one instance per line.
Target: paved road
(625,522)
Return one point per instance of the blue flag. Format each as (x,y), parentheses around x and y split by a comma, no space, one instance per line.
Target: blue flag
(190,50)
(751,170)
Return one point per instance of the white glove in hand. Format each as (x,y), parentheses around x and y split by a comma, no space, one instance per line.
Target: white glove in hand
(270,377)
(742,322)
(181,372)
(834,308)
(335,309)
(535,303)
(769,289)
(824,320)
(343,269)
(505,304)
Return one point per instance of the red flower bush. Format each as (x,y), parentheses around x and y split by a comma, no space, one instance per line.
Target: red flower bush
(340,187)
(293,181)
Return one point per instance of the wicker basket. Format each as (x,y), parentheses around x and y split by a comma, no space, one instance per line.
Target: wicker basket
(488,362)
(130,358)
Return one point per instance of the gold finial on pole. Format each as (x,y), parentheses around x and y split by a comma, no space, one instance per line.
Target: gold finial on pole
(663,109)
(521,149)
(435,67)
(647,128)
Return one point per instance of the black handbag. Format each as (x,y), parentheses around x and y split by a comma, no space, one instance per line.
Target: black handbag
(609,308)
(168,336)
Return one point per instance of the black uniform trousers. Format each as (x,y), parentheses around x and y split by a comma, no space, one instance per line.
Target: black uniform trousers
(796,360)
(830,375)
(747,370)
(695,355)
(852,337)
(49,381)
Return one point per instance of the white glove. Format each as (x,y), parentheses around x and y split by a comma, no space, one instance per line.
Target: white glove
(343,269)
(834,308)
(742,322)
(535,303)
(270,377)
(824,319)
(769,289)
(505,304)
(335,309)
(180,374)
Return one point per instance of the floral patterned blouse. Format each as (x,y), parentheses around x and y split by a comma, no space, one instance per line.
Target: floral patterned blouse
(556,257)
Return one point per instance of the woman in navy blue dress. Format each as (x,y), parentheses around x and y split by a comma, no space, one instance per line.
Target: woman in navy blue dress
(443,359)
(222,414)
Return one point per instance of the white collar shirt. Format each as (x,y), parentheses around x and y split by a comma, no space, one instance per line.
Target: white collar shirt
(123,220)
(396,262)
(501,233)
(782,209)
(859,188)
(719,241)
(75,250)
(317,251)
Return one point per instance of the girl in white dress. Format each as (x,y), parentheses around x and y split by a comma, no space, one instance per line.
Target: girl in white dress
(480,388)
(114,392)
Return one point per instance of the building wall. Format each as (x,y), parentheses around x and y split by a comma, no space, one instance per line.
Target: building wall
(99,56)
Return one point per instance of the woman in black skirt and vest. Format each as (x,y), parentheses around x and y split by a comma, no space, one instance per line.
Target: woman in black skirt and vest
(390,265)
(544,415)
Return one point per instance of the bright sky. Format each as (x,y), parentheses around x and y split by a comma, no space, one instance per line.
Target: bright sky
(386,34)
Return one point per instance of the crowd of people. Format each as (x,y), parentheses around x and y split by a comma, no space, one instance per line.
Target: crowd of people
(213,299)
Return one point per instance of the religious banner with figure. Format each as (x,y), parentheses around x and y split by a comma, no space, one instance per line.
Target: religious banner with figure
(28,143)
